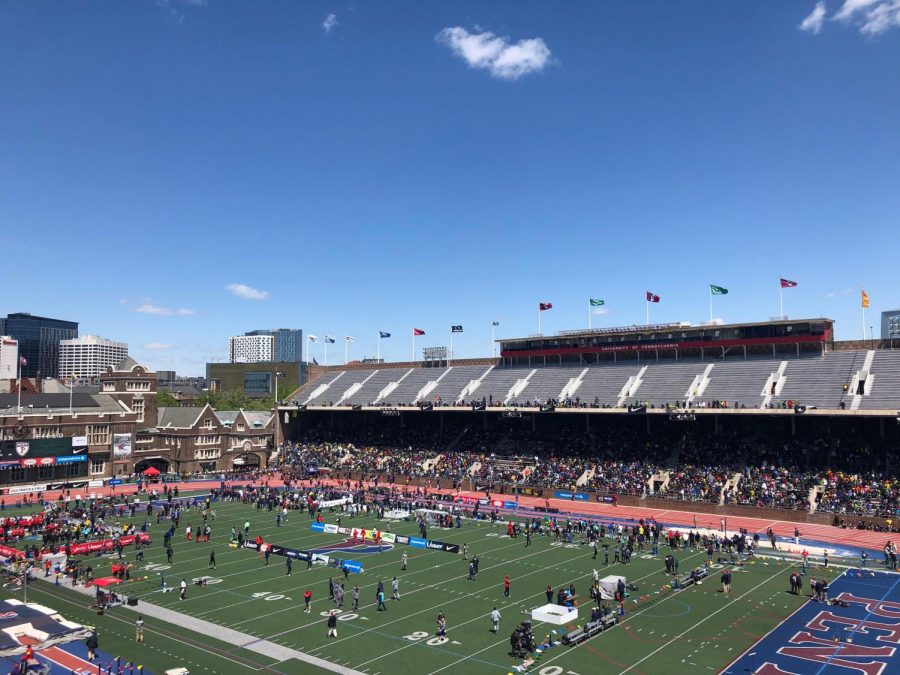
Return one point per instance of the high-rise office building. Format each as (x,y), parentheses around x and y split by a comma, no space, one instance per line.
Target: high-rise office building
(288,343)
(39,339)
(251,348)
(890,324)
(87,357)
(9,358)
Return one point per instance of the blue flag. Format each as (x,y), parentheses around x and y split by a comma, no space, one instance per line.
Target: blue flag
(382,334)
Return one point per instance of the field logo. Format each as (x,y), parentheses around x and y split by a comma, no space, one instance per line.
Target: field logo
(354,545)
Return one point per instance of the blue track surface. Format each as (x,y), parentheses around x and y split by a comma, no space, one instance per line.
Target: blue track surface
(820,639)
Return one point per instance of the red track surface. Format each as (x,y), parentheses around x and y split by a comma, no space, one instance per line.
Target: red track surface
(823,533)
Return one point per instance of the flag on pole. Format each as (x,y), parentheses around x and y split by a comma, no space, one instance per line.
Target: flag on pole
(348,338)
(495,323)
(456,329)
(717,290)
(544,306)
(651,297)
(787,283)
(418,331)
(597,303)
(329,339)
(382,334)
(312,338)
(865,299)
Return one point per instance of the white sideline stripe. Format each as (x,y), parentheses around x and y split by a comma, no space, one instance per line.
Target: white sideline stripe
(497,644)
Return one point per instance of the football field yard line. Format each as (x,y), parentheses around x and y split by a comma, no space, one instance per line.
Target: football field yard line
(497,644)
(480,616)
(684,632)
(423,588)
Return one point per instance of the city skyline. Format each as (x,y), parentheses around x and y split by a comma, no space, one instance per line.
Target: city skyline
(403,166)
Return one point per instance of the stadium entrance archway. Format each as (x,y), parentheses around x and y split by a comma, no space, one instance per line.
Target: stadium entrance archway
(161,464)
(248,460)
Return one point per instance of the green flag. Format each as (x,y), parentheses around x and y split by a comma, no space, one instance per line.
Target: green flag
(718,290)
(597,303)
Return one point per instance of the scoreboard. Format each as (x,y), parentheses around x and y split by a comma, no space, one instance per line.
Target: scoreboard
(43,452)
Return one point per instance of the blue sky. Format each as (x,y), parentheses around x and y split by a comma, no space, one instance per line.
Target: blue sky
(428,164)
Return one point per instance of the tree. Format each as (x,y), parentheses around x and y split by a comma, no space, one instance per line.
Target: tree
(165,400)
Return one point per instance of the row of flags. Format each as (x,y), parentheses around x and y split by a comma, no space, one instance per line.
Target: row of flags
(382,334)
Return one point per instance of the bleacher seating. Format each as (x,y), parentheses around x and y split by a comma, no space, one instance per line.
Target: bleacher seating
(738,382)
(811,381)
(603,383)
(818,381)
(885,393)
(664,383)
(548,383)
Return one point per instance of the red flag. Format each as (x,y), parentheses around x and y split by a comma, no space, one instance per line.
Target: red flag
(418,331)
(651,297)
(787,283)
(543,306)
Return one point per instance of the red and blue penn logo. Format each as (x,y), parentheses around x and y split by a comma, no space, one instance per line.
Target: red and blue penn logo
(354,545)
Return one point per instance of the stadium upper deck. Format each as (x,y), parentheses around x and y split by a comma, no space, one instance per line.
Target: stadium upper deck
(777,365)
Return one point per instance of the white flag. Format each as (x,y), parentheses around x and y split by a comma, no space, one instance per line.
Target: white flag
(313,338)
(348,338)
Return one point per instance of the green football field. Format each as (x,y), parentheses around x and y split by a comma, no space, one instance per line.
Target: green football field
(699,627)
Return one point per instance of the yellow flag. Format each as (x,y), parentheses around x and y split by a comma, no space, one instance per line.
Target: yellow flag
(865,299)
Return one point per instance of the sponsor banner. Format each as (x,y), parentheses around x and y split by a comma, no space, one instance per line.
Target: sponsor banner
(577,496)
(25,489)
(95,483)
(442,546)
(317,527)
(352,566)
(106,544)
(401,539)
(335,502)
(9,464)
(115,481)
(562,494)
(582,497)
(484,502)
(65,486)
(70,459)
(79,441)
(417,542)
(10,552)
(121,445)
(330,529)
(510,505)
(606,499)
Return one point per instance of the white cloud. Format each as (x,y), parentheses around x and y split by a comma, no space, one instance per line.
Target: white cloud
(882,17)
(851,7)
(599,311)
(836,294)
(247,292)
(154,346)
(496,54)
(813,22)
(871,17)
(330,23)
(149,308)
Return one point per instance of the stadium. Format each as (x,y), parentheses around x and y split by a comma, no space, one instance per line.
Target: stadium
(616,500)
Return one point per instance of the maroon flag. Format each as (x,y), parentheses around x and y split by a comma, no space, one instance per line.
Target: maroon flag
(543,306)
(418,331)
(787,283)
(651,297)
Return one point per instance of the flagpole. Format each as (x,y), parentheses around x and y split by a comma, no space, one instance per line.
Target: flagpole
(71,389)
(781,299)
(19,388)
(326,351)
(710,304)
(378,350)
(493,348)
(648,313)
(414,345)
(539,320)
(589,315)
(346,345)
(863,313)
(451,344)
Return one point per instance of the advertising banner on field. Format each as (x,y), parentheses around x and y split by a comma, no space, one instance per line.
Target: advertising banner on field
(106,544)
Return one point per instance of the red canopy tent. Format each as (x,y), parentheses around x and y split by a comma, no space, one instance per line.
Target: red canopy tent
(152,472)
